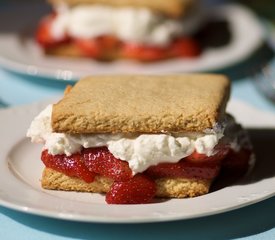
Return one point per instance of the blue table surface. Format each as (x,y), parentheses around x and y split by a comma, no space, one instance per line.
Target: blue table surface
(252,222)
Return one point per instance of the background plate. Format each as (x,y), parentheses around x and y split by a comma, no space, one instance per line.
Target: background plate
(19,52)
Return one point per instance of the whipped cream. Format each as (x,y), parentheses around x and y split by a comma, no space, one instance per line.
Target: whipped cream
(139,150)
(136,25)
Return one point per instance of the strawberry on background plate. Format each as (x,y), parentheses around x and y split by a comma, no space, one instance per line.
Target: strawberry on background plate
(43,34)
(109,47)
(184,47)
(97,47)
(142,53)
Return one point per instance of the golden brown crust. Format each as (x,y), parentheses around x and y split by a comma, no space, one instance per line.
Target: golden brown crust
(173,8)
(52,179)
(142,104)
(166,187)
(181,187)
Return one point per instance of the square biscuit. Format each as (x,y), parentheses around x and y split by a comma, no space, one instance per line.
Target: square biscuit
(173,8)
(142,104)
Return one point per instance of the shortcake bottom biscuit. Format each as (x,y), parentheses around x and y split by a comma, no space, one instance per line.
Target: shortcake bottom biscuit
(64,50)
(166,187)
(71,50)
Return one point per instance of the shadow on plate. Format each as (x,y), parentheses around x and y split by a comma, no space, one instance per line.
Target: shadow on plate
(214,33)
(263,141)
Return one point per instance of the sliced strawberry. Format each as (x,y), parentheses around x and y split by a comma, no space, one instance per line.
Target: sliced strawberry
(97,47)
(184,47)
(101,161)
(142,53)
(43,33)
(139,189)
(72,166)
(221,152)
(89,47)
(184,169)
(108,42)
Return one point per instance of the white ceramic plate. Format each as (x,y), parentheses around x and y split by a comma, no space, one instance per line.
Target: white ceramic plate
(20,171)
(19,52)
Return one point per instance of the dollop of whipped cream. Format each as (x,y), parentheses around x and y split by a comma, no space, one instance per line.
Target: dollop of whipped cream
(139,150)
(136,25)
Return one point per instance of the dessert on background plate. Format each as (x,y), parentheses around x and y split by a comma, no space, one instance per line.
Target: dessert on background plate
(127,29)
(139,137)
(234,20)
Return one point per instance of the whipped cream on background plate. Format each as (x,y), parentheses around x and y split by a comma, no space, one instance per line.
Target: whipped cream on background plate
(139,150)
(135,25)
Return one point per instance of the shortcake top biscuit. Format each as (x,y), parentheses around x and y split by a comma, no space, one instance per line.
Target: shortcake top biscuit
(142,104)
(173,8)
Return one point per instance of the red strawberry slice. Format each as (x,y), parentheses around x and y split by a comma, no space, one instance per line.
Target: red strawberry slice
(101,161)
(142,53)
(139,189)
(221,152)
(97,47)
(184,47)
(109,42)
(43,34)
(72,166)
(89,47)
(184,169)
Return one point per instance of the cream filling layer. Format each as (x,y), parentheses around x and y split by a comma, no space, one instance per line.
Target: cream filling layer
(139,150)
(134,25)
